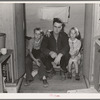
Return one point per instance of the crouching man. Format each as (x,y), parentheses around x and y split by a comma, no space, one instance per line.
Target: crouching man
(56,48)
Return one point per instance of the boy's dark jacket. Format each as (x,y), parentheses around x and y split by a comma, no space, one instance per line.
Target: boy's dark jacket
(59,46)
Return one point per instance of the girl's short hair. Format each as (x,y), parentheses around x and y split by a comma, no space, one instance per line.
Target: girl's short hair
(39,29)
(76,31)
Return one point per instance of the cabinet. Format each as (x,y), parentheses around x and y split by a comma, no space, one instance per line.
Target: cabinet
(97,66)
(6,59)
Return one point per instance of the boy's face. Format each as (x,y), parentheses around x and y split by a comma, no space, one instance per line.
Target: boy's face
(72,34)
(57,27)
(37,34)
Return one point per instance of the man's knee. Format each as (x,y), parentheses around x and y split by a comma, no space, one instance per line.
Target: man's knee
(65,59)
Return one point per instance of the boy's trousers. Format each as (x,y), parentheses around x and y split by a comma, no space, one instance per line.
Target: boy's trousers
(29,65)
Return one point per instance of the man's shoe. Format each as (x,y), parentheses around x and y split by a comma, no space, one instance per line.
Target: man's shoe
(69,75)
(45,83)
(51,74)
(77,77)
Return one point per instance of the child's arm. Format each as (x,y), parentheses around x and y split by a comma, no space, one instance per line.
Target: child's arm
(77,48)
(37,61)
(72,52)
(31,55)
(76,53)
(30,52)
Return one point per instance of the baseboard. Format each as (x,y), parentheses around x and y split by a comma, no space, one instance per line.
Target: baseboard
(86,82)
(13,87)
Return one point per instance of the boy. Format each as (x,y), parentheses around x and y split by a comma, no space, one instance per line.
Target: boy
(35,55)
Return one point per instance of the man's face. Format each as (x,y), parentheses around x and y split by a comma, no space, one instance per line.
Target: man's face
(57,27)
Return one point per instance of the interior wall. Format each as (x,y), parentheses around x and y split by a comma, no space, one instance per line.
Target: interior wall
(11,23)
(77,12)
(6,23)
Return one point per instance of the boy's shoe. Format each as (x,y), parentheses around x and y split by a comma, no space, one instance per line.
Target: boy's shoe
(69,75)
(45,83)
(28,82)
(77,77)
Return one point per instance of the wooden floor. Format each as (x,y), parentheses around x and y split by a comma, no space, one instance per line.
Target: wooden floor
(56,85)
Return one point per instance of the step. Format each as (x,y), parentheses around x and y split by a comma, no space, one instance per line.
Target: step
(13,87)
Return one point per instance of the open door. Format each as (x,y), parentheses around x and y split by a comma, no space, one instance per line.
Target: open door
(20,39)
(87,40)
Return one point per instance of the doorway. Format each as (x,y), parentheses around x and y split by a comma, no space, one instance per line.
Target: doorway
(32,21)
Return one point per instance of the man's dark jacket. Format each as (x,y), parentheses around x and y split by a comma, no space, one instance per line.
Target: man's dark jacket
(59,46)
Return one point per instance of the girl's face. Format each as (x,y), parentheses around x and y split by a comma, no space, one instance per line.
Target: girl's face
(72,34)
(37,35)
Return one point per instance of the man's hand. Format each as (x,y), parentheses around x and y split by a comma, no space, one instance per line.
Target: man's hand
(53,54)
(58,58)
(48,33)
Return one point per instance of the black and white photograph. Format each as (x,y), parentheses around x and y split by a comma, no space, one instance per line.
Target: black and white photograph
(49,47)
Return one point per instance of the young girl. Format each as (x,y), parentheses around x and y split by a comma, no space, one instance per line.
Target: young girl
(35,55)
(75,46)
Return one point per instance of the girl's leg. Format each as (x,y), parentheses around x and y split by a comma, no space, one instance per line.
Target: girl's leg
(69,65)
(77,77)
(76,66)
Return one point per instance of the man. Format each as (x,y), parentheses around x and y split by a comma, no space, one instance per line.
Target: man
(56,48)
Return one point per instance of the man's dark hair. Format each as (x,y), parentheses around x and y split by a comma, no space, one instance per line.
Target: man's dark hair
(58,20)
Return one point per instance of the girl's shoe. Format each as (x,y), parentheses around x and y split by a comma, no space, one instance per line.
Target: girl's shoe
(77,77)
(45,83)
(69,75)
